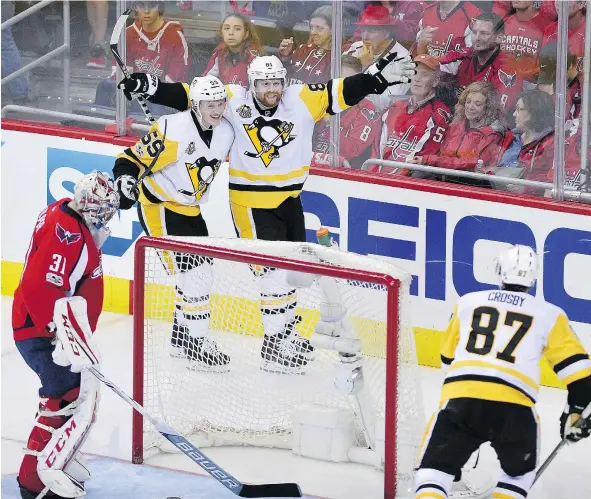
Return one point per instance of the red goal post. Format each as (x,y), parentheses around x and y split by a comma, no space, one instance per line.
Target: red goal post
(225,250)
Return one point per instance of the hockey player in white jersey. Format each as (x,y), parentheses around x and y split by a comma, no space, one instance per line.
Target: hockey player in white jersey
(492,347)
(197,142)
(269,164)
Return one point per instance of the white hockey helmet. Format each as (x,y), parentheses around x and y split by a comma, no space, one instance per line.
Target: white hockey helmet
(206,88)
(518,265)
(265,67)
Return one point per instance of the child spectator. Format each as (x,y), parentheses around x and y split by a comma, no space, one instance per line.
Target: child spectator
(154,45)
(524,32)
(417,126)
(446,26)
(476,133)
(484,61)
(533,145)
(360,127)
(240,45)
(310,63)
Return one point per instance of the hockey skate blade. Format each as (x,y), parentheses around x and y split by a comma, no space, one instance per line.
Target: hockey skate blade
(196,366)
(271,490)
(177,352)
(273,368)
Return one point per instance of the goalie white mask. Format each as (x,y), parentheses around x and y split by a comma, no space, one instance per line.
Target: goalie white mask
(208,98)
(518,265)
(97,200)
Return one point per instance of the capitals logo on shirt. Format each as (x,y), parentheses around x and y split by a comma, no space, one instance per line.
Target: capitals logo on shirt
(508,80)
(66,236)
(267,137)
(201,172)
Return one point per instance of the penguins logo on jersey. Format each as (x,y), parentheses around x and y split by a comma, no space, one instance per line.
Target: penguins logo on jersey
(267,137)
(201,172)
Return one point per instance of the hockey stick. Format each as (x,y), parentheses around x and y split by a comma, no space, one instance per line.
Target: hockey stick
(148,170)
(114,44)
(586,414)
(235,486)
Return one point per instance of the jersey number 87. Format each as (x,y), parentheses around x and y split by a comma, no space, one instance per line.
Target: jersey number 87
(487,328)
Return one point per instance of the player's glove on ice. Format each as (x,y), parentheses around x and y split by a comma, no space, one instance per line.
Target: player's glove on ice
(141,84)
(128,193)
(569,428)
(391,70)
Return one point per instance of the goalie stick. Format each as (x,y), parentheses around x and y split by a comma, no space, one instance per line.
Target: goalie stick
(235,486)
(114,44)
(586,414)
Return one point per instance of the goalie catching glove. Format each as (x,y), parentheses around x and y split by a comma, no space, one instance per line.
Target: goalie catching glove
(571,427)
(138,84)
(74,345)
(391,70)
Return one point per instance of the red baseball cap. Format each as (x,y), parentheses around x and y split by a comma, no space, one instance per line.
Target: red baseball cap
(375,15)
(428,60)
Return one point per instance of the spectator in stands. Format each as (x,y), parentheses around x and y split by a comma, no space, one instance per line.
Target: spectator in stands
(377,36)
(503,8)
(547,79)
(360,127)
(477,132)
(524,32)
(98,14)
(572,167)
(11,60)
(415,127)
(240,45)
(576,31)
(446,26)
(533,145)
(484,61)
(155,45)
(310,63)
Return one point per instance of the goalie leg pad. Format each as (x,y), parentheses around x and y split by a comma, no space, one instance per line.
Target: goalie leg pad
(66,440)
(194,287)
(278,301)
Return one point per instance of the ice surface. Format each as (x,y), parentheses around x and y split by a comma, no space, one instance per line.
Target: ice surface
(569,476)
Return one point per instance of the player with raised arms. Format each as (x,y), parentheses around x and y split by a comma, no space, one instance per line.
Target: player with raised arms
(187,158)
(54,314)
(492,347)
(269,164)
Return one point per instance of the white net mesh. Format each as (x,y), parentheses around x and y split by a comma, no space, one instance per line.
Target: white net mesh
(247,405)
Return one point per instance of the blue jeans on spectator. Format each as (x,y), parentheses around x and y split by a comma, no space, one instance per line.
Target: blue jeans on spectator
(11,59)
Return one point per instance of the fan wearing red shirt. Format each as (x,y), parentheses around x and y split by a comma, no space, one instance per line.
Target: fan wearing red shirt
(485,61)
(157,46)
(477,132)
(240,45)
(417,126)
(310,63)
(576,31)
(524,32)
(54,314)
(360,127)
(446,26)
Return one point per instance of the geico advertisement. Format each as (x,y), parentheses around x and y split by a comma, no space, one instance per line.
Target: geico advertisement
(447,243)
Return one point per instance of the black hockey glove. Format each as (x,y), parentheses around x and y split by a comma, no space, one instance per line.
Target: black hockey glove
(571,427)
(391,70)
(138,84)
(128,193)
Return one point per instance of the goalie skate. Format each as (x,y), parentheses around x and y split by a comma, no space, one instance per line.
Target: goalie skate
(287,352)
(204,355)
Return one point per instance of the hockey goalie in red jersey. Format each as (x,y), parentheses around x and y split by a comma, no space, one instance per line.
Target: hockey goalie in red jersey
(55,311)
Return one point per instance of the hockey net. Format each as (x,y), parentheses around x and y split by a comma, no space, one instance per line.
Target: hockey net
(248,406)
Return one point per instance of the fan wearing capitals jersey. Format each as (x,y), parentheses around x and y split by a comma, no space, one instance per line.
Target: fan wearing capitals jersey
(484,61)
(54,314)
(360,127)
(417,126)
(240,45)
(310,63)
(446,26)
